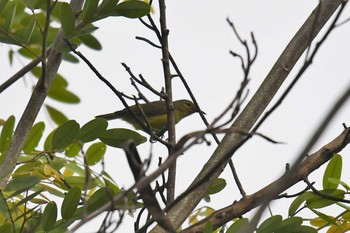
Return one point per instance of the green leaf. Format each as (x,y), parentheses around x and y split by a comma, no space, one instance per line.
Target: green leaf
(33,137)
(10,56)
(337,181)
(70,203)
(238,225)
(95,153)
(87,29)
(92,130)
(326,218)
(49,216)
(289,224)
(22,183)
(208,228)
(31,197)
(70,58)
(89,10)
(52,190)
(90,41)
(116,137)
(3,4)
(303,229)
(6,228)
(6,134)
(270,224)
(99,198)
(10,16)
(63,95)
(47,143)
(109,182)
(133,9)
(65,135)
(58,81)
(298,201)
(107,7)
(217,186)
(67,18)
(72,150)
(57,163)
(58,117)
(333,170)
(27,33)
(80,181)
(319,202)
(28,166)
(75,167)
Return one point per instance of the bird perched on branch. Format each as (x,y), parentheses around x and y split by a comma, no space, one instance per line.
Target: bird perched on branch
(156,114)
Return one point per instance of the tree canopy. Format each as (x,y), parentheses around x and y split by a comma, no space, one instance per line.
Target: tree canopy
(54,176)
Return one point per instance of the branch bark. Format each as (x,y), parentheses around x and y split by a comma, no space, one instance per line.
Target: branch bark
(271,191)
(33,107)
(253,110)
(170,185)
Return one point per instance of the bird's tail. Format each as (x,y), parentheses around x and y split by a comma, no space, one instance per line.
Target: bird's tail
(109,116)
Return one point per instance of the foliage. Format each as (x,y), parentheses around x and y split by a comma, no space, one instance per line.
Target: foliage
(55,183)
(56,172)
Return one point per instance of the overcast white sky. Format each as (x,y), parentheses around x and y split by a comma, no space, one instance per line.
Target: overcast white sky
(200,40)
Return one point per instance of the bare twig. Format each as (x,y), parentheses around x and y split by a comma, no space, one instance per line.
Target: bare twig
(252,112)
(271,191)
(169,98)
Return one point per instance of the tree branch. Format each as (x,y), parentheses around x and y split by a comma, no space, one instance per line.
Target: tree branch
(253,110)
(35,102)
(271,191)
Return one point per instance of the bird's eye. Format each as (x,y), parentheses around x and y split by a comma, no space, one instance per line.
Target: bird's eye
(188,105)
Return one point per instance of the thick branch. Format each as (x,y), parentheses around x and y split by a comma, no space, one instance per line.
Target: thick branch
(34,105)
(247,203)
(254,109)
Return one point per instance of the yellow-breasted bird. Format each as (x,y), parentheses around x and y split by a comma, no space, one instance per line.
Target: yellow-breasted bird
(156,113)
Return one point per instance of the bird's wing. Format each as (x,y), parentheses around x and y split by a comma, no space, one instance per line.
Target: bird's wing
(155,108)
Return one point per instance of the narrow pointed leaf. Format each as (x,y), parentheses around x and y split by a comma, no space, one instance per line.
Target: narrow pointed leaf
(11,13)
(3,4)
(298,201)
(107,7)
(34,137)
(319,202)
(89,10)
(27,33)
(58,117)
(67,18)
(333,170)
(6,134)
(22,183)
(63,95)
(90,41)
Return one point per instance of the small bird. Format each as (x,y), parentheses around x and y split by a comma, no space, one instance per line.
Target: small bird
(156,113)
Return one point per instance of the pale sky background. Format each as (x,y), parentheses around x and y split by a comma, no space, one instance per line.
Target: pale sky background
(200,40)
